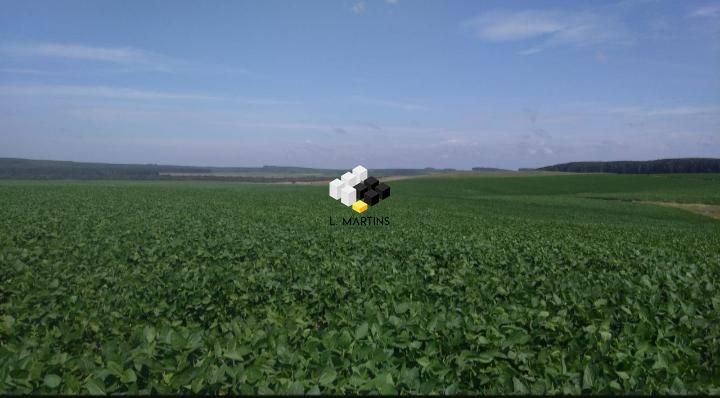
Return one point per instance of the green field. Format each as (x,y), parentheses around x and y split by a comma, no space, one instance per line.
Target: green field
(527,284)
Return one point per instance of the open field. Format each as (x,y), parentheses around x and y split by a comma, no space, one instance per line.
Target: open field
(706,210)
(480,284)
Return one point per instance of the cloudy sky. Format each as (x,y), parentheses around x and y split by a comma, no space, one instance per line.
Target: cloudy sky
(334,83)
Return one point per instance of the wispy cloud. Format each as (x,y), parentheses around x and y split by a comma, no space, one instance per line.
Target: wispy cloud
(401,105)
(359,7)
(24,71)
(530,51)
(116,55)
(670,111)
(288,126)
(600,57)
(508,26)
(373,126)
(348,128)
(128,94)
(124,56)
(552,27)
(710,10)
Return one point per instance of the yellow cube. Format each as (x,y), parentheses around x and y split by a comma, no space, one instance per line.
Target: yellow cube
(359,206)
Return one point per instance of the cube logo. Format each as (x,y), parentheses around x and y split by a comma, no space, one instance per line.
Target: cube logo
(355,189)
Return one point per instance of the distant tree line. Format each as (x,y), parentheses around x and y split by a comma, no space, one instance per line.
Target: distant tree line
(661,166)
(49,169)
(487,169)
(30,169)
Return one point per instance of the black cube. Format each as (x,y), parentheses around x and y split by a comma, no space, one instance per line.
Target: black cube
(360,189)
(371,182)
(382,190)
(371,197)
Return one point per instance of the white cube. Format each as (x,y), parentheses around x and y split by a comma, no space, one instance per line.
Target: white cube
(335,187)
(348,195)
(350,179)
(361,173)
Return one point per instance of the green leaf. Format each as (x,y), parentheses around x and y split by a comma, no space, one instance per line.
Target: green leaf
(7,323)
(485,357)
(402,308)
(517,338)
(518,386)
(149,333)
(385,384)
(452,389)
(128,376)
(296,388)
(678,387)
(95,387)
(236,354)
(52,380)
(660,362)
(327,377)
(623,375)
(114,368)
(587,381)
(410,376)
(361,331)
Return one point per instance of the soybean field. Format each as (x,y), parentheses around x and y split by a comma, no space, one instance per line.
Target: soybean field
(555,284)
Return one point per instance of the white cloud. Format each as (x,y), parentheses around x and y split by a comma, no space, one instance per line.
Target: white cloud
(532,50)
(359,7)
(710,10)
(127,94)
(508,26)
(552,27)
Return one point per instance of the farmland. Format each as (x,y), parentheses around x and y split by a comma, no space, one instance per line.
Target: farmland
(530,284)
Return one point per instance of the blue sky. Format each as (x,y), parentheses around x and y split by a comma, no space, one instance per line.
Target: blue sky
(381,83)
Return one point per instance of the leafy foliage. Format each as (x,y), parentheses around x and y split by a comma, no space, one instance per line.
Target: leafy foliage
(480,285)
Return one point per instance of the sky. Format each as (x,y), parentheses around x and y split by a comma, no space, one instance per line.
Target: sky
(336,83)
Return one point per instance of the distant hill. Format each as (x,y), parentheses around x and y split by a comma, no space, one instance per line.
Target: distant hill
(488,169)
(661,166)
(54,169)
(23,169)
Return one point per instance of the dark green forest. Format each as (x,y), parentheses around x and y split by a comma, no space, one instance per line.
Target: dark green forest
(661,166)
